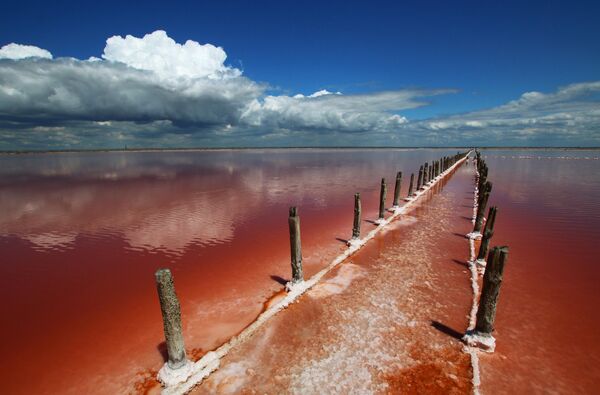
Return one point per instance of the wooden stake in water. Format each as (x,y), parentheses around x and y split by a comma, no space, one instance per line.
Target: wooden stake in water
(410,185)
(382,194)
(295,246)
(492,279)
(357,210)
(488,232)
(487,188)
(171,314)
(397,188)
(420,178)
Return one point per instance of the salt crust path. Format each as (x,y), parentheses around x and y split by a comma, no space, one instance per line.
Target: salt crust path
(212,360)
(367,326)
(476,381)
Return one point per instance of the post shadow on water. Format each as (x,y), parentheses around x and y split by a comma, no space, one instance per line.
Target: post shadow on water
(341,240)
(447,330)
(459,235)
(280,280)
(462,263)
(162,349)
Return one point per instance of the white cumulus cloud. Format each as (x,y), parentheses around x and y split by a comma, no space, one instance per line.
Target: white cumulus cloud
(159,53)
(18,51)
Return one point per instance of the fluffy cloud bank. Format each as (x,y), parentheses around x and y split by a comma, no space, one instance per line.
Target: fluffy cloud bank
(569,116)
(18,51)
(169,60)
(152,84)
(153,91)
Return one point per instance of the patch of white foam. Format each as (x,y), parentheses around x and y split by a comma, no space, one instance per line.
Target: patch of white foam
(210,362)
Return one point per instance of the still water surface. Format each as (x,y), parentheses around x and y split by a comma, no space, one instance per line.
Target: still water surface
(81,235)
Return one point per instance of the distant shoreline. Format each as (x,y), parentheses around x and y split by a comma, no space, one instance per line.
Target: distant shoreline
(197,149)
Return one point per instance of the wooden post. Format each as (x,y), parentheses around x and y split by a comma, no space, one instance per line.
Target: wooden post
(357,210)
(420,178)
(171,315)
(481,206)
(492,279)
(382,199)
(425,173)
(295,246)
(397,188)
(410,185)
(488,232)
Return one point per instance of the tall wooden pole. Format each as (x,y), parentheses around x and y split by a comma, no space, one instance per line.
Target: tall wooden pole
(357,210)
(295,246)
(488,232)
(397,188)
(487,188)
(492,279)
(171,314)
(382,199)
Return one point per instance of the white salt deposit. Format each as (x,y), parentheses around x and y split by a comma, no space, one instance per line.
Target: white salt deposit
(198,371)
(471,343)
(480,341)
(348,272)
(169,376)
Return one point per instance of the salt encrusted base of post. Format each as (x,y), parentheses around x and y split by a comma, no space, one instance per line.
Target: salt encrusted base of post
(295,249)
(178,368)
(481,337)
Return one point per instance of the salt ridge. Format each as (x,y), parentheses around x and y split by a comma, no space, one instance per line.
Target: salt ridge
(476,380)
(181,382)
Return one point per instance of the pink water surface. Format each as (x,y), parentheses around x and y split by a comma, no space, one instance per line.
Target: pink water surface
(81,235)
(548,324)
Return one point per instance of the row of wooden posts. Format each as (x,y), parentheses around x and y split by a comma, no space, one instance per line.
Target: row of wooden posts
(169,303)
(496,256)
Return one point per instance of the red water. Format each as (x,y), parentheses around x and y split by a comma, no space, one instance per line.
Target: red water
(82,234)
(548,324)
(387,320)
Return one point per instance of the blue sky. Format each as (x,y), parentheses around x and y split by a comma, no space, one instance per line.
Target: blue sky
(455,60)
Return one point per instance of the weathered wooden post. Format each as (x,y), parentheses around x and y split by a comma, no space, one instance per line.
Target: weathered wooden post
(357,210)
(397,188)
(171,315)
(488,232)
(487,188)
(410,185)
(382,194)
(295,246)
(481,336)
(420,178)
(425,173)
